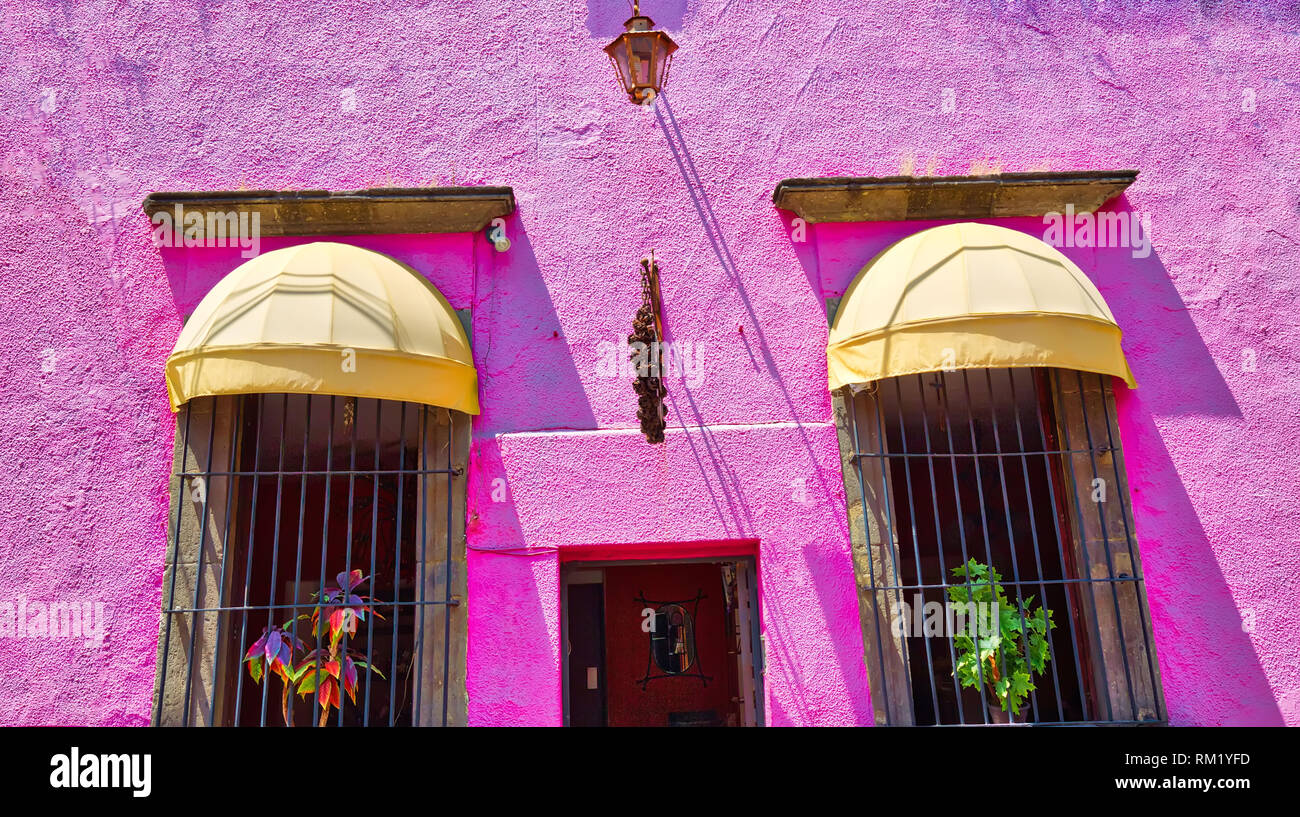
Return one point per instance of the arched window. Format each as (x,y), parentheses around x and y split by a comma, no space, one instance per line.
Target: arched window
(998,571)
(316,572)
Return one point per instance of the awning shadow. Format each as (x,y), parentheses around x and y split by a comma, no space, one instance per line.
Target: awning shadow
(1176,373)
(1198,624)
(1199,629)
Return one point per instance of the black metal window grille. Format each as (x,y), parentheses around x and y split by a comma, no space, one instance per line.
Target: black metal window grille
(274,496)
(1020,469)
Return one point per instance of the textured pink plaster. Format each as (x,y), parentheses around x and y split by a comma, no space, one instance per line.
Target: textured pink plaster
(601,494)
(103,103)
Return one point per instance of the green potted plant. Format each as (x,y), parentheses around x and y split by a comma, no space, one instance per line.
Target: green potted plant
(1006,647)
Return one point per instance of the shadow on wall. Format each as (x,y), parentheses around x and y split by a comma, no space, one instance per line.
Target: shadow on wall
(1210,672)
(724,487)
(718,243)
(1176,374)
(527,377)
(605,17)
(1208,665)
(1209,668)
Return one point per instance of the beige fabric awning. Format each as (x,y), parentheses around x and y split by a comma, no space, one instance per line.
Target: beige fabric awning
(967,296)
(325,318)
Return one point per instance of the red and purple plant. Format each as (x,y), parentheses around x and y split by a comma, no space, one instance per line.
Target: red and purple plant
(324,669)
(343,608)
(275,648)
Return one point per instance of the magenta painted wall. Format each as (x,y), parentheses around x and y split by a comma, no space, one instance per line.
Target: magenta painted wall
(105,102)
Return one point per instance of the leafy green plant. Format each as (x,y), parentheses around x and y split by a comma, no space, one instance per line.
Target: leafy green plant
(1007,646)
(324,670)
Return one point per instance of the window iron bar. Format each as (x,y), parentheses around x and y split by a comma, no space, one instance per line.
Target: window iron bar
(252,426)
(1025,583)
(916,545)
(236,427)
(984,484)
(275,540)
(335,473)
(248,568)
(446,583)
(397,570)
(424,541)
(1059,397)
(352,484)
(302,509)
(946,424)
(374,554)
(982,506)
(979,454)
(893,554)
(302,605)
(938,535)
(1062,529)
(1038,555)
(1011,536)
(198,571)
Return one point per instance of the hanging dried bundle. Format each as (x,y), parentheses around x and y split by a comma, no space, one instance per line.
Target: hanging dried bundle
(647,353)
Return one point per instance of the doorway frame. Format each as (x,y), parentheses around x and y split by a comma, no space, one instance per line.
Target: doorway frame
(756,640)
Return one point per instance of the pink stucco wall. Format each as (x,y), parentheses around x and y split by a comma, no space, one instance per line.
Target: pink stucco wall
(103,103)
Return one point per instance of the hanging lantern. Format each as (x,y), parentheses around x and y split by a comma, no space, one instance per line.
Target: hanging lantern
(641,57)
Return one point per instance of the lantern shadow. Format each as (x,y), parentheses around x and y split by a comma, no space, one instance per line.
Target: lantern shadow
(846,641)
(727,261)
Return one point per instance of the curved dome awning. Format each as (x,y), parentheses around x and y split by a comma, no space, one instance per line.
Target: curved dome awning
(971,296)
(325,318)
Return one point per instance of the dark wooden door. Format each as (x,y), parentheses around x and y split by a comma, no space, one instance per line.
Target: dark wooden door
(587,655)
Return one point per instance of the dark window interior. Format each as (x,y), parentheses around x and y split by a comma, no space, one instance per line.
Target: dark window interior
(302,524)
(998,508)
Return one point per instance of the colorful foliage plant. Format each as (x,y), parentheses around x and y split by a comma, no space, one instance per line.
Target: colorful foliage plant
(327,669)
